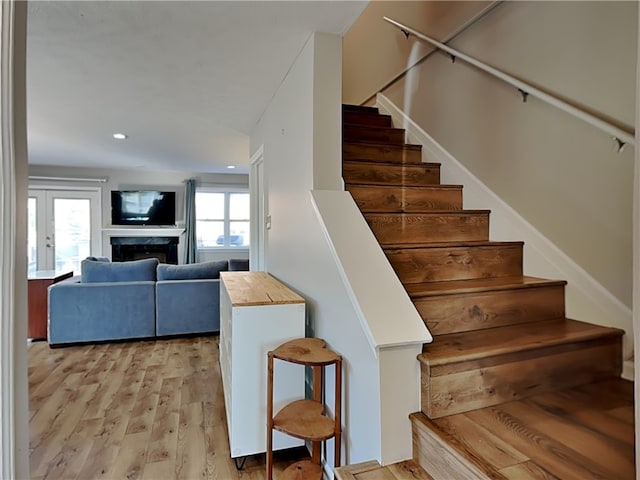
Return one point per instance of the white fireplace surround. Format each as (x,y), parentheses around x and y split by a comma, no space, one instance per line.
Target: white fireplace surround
(142,231)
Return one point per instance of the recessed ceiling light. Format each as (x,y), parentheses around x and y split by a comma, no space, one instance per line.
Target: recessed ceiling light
(119,136)
(231,166)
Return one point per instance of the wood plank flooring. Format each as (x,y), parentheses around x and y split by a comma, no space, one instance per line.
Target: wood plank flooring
(136,410)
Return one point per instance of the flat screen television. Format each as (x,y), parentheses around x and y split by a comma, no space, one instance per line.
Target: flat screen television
(143,207)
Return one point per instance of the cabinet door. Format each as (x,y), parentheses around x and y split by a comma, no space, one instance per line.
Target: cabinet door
(256,331)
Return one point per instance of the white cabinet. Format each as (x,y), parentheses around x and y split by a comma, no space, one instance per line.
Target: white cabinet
(257,314)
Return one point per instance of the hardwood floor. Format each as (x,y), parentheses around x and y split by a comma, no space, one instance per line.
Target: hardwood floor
(135,410)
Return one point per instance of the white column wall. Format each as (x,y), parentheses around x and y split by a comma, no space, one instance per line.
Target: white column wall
(14,404)
(292,133)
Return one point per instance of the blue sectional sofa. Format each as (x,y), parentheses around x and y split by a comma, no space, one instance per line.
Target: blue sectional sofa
(136,299)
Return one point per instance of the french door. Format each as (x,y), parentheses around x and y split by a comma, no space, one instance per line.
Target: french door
(64,228)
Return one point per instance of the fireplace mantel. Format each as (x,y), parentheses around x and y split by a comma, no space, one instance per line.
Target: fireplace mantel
(143,231)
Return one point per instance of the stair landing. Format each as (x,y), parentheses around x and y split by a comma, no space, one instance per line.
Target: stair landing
(580,433)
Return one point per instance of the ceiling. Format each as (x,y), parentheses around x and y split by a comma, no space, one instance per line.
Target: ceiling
(185,81)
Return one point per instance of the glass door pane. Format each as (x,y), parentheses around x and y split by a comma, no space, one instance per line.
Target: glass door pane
(72,232)
(63,228)
(32,235)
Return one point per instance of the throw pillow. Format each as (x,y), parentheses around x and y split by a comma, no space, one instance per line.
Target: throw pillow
(135,271)
(192,271)
(99,259)
(238,264)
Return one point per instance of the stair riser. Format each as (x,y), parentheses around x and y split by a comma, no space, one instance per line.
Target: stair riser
(417,265)
(360,109)
(421,228)
(359,118)
(475,311)
(373,134)
(374,199)
(470,385)
(401,175)
(381,153)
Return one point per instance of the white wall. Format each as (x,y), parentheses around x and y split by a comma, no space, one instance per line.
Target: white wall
(297,251)
(141,179)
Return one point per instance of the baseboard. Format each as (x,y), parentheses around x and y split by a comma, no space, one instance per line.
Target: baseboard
(586,298)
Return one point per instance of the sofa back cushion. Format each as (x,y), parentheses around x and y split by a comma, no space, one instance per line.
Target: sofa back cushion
(99,259)
(134,271)
(192,271)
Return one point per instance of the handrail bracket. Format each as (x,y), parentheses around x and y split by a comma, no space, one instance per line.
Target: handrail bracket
(524,95)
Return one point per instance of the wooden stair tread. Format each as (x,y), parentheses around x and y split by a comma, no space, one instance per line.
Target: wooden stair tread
(373,143)
(438,186)
(432,213)
(453,451)
(472,345)
(455,287)
(353,119)
(360,108)
(376,128)
(373,133)
(304,419)
(366,118)
(476,243)
(393,164)
(566,433)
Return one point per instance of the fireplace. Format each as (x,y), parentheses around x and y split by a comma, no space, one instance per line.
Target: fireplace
(165,249)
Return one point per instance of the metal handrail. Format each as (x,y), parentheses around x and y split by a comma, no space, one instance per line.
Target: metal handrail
(621,136)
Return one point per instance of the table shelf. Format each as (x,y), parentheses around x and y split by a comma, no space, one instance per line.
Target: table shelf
(305,419)
(305,469)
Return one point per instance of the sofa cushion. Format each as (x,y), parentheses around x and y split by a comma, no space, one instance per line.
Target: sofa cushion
(192,271)
(238,264)
(134,271)
(99,259)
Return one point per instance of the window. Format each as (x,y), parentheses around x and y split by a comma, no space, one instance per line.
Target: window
(222,219)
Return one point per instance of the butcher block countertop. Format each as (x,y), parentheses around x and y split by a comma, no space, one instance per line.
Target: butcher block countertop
(257,288)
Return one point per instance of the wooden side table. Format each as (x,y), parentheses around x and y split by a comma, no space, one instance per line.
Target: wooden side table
(38,283)
(306,419)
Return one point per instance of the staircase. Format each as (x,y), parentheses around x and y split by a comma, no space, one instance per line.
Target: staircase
(499,336)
